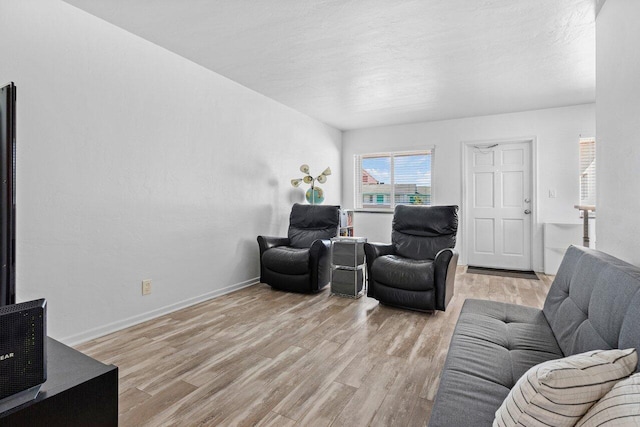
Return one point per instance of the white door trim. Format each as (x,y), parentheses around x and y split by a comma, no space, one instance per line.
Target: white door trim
(464,226)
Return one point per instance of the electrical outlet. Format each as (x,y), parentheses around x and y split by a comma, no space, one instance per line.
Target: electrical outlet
(146,287)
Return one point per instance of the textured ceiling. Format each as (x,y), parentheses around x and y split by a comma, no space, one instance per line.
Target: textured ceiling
(362,63)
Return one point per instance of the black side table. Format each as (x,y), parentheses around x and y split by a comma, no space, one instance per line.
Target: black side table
(347,266)
(79,391)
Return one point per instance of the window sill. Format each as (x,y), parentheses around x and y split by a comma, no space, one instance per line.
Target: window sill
(379,211)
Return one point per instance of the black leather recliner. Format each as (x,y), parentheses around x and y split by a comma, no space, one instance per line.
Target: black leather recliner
(417,270)
(301,262)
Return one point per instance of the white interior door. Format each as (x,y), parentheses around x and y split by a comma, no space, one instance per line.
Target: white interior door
(498,205)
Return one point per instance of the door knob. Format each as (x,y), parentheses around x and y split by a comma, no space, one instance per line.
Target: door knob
(527,211)
(527,200)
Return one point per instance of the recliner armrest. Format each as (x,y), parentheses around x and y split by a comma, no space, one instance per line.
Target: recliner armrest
(319,263)
(268,242)
(445,264)
(373,251)
(319,247)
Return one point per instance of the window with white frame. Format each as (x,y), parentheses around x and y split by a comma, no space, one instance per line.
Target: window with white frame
(385,180)
(587,171)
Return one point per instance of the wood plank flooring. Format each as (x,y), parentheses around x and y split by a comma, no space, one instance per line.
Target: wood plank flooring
(268,358)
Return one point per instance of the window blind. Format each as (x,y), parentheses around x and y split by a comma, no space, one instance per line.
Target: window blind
(587,171)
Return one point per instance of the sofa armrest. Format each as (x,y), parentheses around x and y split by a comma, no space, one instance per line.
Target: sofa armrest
(320,264)
(445,264)
(373,251)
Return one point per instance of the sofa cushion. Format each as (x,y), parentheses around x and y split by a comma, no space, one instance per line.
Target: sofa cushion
(492,346)
(619,407)
(284,259)
(559,392)
(593,302)
(403,273)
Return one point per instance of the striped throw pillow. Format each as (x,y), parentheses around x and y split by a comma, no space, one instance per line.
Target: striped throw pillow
(620,407)
(559,392)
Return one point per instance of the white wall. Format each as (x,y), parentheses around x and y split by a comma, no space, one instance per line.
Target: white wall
(618,123)
(557,132)
(135,163)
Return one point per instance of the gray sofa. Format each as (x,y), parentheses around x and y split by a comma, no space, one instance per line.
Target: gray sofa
(593,303)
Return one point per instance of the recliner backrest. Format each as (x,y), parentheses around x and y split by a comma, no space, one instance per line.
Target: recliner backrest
(420,232)
(594,302)
(308,223)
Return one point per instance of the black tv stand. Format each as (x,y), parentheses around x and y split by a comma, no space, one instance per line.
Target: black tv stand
(79,391)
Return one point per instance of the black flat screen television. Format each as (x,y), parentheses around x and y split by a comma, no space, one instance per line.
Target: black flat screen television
(7,194)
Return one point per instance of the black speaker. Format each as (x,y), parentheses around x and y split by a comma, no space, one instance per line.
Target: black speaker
(23,352)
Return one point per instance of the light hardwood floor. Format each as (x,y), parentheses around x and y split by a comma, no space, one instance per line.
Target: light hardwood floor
(268,358)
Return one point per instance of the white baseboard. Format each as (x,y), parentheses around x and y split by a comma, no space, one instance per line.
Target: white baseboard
(100,331)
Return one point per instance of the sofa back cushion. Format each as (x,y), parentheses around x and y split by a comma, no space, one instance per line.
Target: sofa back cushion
(420,232)
(308,223)
(594,302)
